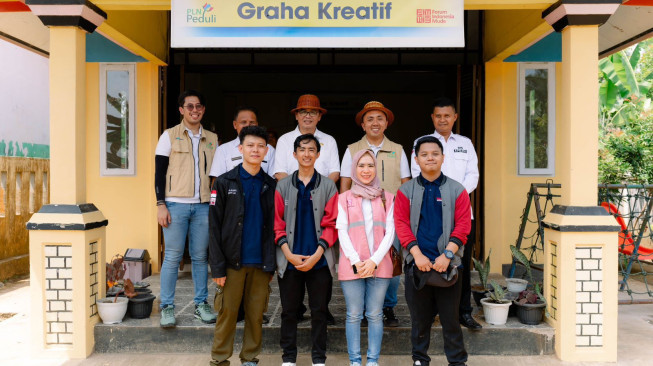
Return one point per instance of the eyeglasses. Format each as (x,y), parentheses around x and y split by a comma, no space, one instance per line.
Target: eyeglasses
(191,107)
(312,113)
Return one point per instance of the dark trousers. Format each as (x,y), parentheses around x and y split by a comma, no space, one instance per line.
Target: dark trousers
(422,305)
(466,290)
(316,282)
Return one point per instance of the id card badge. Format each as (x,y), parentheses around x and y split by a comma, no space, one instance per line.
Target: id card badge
(214,195)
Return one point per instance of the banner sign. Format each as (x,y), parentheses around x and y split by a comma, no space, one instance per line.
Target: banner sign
(317,24)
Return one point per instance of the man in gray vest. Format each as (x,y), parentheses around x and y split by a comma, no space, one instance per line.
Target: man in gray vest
(460,164)
(392,170)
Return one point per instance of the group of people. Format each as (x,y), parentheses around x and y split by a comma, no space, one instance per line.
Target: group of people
(250,211)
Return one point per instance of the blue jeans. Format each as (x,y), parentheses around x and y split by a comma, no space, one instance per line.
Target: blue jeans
(192,220)
(365,294)
(390,300)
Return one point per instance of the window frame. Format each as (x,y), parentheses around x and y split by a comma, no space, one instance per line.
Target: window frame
(522,170)
(131,157)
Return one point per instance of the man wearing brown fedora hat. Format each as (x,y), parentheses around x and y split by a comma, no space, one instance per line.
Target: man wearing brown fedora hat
(307,113)
(392,169)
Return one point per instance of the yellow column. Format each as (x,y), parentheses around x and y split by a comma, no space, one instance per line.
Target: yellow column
(580,282)
(580,272)
(67,113)
(577,121)
(67,237)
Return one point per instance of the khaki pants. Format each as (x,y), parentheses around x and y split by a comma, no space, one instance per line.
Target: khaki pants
(254,283)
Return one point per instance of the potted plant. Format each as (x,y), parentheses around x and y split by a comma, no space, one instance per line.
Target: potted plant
(140,305)
(517,285)
(530,303)
(483,269)
(496,306)
(112,309)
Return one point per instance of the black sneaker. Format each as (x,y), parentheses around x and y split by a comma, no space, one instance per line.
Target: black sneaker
(389,318)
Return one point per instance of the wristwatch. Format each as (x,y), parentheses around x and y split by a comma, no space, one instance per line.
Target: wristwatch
(448,254)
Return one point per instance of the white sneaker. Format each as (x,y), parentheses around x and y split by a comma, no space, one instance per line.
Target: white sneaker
(354,364)
(288,364)
(318,364)
(372,363)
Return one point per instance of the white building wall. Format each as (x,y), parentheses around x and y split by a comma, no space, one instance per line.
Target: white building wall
(24,102)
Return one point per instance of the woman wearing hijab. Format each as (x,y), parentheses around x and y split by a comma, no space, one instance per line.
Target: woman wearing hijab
(366,230)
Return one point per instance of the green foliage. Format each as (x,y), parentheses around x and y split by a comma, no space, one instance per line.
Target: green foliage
(626,154)
(483,269)
(521,257)
(623,90)
(529,296)
(498,295)
(537,118)
(626,118)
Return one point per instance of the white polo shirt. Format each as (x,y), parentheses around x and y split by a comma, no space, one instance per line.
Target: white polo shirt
(285,162)
(228,157)
(345,167)
(460,160)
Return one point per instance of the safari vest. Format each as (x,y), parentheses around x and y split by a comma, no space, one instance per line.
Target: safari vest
(356,230)
(180,178)
(388,162)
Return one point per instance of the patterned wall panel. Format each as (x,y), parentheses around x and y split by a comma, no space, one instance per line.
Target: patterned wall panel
(93,248)
(58,294)
(589,297)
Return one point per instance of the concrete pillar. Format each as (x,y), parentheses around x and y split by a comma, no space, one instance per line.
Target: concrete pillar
(67,277)
(580,272)
(67,236)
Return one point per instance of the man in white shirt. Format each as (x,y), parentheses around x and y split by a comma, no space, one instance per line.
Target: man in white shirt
(307,113)
(227,155)
(460,164)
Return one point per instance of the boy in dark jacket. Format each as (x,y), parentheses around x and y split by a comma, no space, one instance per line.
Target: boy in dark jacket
(305,230)
(432,220)
(241,248)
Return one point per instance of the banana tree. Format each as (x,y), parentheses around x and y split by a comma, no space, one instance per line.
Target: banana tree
(622,94)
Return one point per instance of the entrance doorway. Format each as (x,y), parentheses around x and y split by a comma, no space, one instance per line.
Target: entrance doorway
(404,80)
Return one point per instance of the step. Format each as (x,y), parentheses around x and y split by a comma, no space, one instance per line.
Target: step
(192,336)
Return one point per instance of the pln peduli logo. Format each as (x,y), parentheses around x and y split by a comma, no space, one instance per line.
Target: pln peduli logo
(201,15)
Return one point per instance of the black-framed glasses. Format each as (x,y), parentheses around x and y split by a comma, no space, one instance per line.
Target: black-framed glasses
(191,107)
(312,113)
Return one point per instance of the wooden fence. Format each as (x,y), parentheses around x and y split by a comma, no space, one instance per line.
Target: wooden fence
(24,188)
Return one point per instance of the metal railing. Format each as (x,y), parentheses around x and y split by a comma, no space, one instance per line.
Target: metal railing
(631,205)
